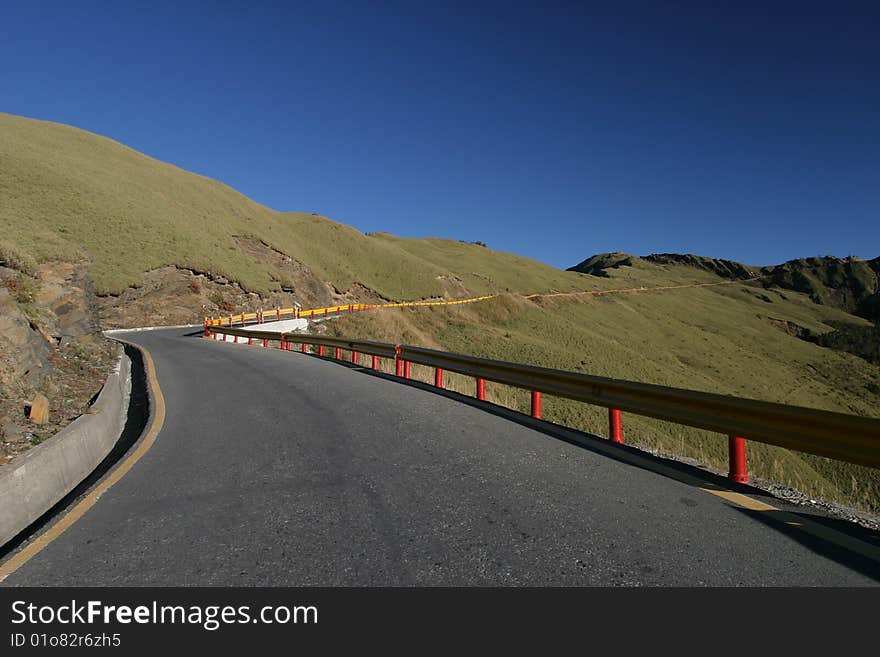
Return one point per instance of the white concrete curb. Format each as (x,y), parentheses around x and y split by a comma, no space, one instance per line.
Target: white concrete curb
(36,480)
(150,328)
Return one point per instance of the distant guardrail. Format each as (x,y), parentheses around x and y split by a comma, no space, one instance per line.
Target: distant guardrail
(277,314)
(824,433)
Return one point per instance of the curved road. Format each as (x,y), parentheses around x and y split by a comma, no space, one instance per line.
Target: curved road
(276,468)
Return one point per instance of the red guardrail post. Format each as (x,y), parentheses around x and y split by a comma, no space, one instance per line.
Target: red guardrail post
(354,358)
(236,339)
(338,353)
(265,342)
(398,364)
(536,404)
(349,309)
(320,350)
(278,314)
(407,369)
(296,313)
(375,362)
(250,341)
(325,312)
(305,348)
(736,447)
(206,328)
(481,389)
(615,426)
(438,377)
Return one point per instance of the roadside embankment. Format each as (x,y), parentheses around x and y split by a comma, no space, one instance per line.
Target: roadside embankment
(43,475)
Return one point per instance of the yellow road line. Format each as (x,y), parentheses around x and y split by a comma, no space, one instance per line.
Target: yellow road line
(802,523)
(79,510)
(739,499)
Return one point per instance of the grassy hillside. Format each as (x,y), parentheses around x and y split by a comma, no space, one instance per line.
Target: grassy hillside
(67,194)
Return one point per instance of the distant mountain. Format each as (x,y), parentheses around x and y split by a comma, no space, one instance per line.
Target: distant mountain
(849,284)
(599,264)
(723,268)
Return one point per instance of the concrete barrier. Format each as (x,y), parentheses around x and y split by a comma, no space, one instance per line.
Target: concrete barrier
(36,480)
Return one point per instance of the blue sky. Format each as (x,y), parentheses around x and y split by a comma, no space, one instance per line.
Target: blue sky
(736,130)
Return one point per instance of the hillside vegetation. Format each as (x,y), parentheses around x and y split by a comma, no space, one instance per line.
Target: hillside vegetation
(67,194)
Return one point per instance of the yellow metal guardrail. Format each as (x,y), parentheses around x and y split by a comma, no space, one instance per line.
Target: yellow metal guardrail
(277,314)
(824,433)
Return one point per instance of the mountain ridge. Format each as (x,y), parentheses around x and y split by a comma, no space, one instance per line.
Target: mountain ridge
(851,284)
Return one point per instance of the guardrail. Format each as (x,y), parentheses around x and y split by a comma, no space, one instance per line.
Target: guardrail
(277,314)
(824,433)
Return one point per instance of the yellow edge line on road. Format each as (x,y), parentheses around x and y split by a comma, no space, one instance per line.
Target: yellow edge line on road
(802,523)
(79,510)
(740,500)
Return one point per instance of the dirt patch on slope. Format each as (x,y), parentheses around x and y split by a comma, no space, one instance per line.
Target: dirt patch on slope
(792,329)
(171,296)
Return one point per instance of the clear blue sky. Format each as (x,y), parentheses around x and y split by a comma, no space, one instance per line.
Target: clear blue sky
(556,131)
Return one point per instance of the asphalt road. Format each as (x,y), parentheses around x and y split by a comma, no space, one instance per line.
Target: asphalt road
(276,468)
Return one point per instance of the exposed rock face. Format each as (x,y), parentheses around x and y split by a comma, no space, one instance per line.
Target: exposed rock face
(23,366)
(168,296)
(174,295)
(52,356)
(23,351)
(66,290)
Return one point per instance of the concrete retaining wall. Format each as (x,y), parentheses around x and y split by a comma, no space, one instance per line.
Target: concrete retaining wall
(36,480)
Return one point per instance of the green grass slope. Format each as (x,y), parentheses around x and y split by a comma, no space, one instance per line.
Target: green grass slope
(67,194)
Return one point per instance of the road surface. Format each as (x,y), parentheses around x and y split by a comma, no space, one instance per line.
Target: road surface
(275,468)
